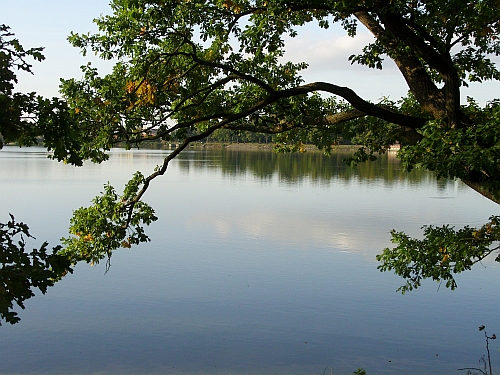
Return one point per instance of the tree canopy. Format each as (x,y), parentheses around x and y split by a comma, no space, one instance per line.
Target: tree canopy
(186,68)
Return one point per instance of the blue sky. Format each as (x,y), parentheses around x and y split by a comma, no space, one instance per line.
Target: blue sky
(48,23)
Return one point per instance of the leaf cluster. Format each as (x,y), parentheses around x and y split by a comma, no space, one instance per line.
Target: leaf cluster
(28,119)
(14,126)
(113,221)
(22,271)
(471,154)
(442,253)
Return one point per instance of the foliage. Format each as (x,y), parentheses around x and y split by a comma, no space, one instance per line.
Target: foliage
(442,253)
(470,153)
(13,106)
(22,271)
(29,119)
(111,222)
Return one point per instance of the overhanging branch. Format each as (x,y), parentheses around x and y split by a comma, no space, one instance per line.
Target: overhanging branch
(357,102)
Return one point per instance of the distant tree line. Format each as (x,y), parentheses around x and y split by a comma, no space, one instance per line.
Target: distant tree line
(244,136)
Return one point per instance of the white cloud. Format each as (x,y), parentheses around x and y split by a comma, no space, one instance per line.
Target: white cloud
(306,232)
(327,53)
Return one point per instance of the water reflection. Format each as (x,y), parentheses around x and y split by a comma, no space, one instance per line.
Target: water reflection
(257,265)
(297,167)
(336,207)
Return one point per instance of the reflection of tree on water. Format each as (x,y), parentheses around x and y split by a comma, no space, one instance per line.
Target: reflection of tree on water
(296,167)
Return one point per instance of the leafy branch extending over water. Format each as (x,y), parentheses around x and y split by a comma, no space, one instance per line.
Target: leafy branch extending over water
(112,221)
(442,253)
(22,271)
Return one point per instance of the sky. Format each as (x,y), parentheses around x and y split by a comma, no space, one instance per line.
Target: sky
(48,23)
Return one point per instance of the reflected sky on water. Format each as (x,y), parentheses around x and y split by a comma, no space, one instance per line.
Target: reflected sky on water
(260,263)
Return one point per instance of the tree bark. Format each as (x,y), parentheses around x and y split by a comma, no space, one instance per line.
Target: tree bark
(414,73)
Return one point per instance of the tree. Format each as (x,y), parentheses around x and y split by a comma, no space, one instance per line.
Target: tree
(13,106)
(24,118)
(190,67)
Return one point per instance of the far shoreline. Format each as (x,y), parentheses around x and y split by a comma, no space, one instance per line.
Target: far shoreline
(235,146)
(232,146)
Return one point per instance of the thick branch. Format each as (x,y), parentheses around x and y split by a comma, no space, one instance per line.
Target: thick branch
(440,61)
(360,104)
(336,118)
(414,73)
(341,117)
(399,28)
(227,68)
(362,108)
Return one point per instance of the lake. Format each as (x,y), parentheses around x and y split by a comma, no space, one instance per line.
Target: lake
(260,263)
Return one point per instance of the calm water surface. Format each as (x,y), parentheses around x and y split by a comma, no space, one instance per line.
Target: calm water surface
(259,264)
